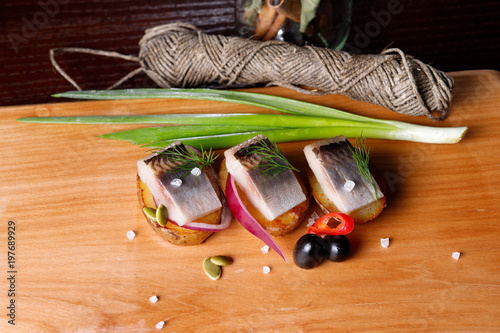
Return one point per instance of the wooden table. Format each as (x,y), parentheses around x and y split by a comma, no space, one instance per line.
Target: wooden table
(72,199)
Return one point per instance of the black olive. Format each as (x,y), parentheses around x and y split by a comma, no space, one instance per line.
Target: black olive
(309,251)
(338,248)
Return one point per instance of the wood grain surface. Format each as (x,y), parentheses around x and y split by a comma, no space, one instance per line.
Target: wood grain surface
(72,198)
(452,35)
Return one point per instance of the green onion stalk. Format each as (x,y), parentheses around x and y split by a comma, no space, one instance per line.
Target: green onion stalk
(301,121)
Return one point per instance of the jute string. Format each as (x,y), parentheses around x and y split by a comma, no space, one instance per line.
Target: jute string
(181,55)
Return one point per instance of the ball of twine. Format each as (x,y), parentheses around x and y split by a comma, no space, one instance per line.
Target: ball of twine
(180,55)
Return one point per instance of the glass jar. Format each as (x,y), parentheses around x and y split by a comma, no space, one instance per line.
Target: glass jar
(322,23)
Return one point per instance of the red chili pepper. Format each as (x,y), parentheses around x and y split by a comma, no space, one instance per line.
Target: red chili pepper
(321,227)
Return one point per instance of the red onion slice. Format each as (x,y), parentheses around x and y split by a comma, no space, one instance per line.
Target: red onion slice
(248,221)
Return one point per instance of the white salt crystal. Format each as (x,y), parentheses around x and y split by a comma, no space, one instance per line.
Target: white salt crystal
(384,242)
(349,185)
(455,255)
(153,299)
(264,249)
(130,234)
(176,182)
(266,269)
(196,172)
(160,325)
(312,219)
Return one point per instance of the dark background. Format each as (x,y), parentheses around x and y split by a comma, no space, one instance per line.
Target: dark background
(451,35)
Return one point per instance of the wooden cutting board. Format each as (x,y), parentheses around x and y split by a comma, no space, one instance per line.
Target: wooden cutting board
(71,197)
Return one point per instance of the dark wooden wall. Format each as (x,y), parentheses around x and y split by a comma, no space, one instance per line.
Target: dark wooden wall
(450,34)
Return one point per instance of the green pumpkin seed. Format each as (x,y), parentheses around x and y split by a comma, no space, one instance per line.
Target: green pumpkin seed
(221,260)
(212,270)
(150,213)
(161,215)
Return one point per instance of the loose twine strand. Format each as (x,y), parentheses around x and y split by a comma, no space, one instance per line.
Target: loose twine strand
(181,55)
(109,54)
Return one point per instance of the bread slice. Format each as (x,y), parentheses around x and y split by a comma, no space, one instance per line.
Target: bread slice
(362,215)
(281,225)
(173,233)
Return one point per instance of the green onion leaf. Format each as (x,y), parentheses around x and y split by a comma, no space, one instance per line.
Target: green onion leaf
(222,141)
(306,121)
(232,119)
(147,135)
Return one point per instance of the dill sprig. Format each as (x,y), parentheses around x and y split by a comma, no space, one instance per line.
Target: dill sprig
(272,160)
(362,157)
(188,159)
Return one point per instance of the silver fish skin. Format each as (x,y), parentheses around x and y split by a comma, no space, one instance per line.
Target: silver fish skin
(272,195)
(333,164)
(194,198)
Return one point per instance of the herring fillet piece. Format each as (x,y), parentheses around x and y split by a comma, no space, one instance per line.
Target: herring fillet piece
(333,164)
(195,198)
(272,195)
